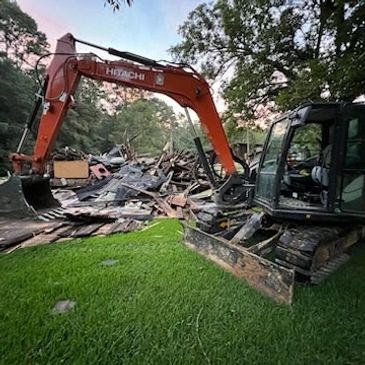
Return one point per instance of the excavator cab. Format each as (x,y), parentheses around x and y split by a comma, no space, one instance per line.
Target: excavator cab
(312,167)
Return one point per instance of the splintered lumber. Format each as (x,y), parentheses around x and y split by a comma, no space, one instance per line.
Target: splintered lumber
(179,213)
(49,235)
(158,163)
(45,237)
(178,200)
(67,233)
(265,276)
(56,183)
(167,182)
(92,213)
(204,194)
(126,226)
(161,202)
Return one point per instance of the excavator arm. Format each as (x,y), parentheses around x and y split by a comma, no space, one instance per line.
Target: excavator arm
(185,86)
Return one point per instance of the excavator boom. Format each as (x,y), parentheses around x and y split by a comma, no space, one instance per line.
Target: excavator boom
(185,86)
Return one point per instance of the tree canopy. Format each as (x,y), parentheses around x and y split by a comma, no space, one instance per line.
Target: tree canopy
(115,4)
(278,53)
(103,114)
(20,38)
(20,43)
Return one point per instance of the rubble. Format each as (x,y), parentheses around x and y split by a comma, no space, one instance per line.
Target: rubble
(121,194)
(140,189)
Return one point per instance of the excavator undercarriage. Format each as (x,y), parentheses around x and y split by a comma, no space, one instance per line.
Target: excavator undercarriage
(271,256)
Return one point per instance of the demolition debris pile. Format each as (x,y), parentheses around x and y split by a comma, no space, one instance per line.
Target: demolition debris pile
(117,192)
(140,189)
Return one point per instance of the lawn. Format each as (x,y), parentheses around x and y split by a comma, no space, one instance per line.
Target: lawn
(161,303)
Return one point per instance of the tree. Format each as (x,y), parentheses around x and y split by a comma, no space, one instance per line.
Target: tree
(20,43)
(20,39)
(279,52)
(80,129)
(115,4)
(16,96)
(143,120)
(243,133)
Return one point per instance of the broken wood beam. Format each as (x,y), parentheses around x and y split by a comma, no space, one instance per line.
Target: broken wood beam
(264,247)
(161,202)
(252,225)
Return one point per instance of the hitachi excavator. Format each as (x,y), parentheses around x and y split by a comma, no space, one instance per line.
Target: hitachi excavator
(309,182)
(181,83)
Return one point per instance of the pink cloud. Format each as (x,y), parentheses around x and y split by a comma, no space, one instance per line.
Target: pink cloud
(47,24)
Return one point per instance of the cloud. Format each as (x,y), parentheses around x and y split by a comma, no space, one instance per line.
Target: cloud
(54,27)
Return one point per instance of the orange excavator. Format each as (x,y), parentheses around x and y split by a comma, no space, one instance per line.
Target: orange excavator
(28,190)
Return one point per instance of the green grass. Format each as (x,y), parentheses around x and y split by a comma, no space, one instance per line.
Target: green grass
(143,310)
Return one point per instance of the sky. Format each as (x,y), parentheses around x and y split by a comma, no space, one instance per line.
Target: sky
(148,27)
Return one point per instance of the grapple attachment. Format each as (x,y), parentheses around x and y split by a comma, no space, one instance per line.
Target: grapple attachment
(25,196)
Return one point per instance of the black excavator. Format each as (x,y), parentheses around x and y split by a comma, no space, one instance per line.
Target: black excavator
(310,182)
(312,176)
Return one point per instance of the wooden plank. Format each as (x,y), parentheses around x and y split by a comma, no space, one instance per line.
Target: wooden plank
(203,195)
(178,200)
(104,230)
(47,236)
(69,182)
(13,231)
(126,226)
(78,169)
(179,213)
(165,185)
(68,231)
(86,230)
(118,226)
(264,247)
(252,225)
(265,276)
(42,239)
(161,202)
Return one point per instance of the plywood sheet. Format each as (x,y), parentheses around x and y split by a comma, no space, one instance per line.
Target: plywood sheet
(78,169)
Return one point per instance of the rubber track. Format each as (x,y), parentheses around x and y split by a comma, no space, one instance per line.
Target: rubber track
(297,247)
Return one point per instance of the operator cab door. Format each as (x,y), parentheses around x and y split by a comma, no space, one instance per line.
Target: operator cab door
(352,187)
(267,178)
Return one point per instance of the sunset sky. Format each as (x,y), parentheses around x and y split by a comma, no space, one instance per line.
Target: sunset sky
(147,27)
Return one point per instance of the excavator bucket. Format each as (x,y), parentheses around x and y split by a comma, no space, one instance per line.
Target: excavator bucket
(22,197)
